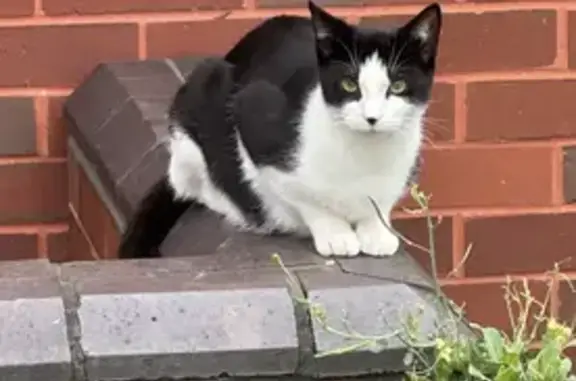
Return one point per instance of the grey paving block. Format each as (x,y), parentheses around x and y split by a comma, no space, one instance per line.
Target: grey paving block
(142,176)
(93,102)
(153,110)
(401,268)
(33,341)
(148,322)
(234,247)
(117,117)
(138,69)
(122,148)
(99,178)
(360,308)
(33,268)
(159,87)
(166,275)
(185,64)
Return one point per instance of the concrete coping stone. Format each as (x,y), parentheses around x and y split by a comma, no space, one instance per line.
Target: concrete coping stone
(33,339)
(203,317)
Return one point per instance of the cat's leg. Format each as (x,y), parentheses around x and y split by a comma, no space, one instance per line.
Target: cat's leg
(187,169)
(189,176)
(374,232)
(331,235)
(206,160)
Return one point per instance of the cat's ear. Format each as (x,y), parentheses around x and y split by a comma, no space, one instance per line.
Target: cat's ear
(425,28)
(327,28)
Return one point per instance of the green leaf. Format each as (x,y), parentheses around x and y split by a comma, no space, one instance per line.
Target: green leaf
(474,372)
(549,354)
(565,367)
(442,371)
(507,374)
(494,344)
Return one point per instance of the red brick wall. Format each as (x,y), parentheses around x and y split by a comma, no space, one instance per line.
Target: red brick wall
(504,110)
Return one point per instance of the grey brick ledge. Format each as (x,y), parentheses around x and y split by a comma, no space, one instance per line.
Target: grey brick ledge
(197,318)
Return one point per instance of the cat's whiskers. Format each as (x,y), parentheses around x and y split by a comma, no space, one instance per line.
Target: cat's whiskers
(400,64)
(347,49)
(355,48)
(392,52)
(429,140)
(396,57)
(430,128)
(346,64)
(427,121)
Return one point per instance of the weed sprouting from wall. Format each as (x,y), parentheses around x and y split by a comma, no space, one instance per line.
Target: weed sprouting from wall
(533,351)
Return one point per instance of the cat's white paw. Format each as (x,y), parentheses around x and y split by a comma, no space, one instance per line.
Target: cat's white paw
(375,239)
(337,240)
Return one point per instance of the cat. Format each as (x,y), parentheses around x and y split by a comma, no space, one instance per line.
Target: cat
(307,126)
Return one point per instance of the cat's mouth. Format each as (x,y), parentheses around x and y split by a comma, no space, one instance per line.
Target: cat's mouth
(377,130)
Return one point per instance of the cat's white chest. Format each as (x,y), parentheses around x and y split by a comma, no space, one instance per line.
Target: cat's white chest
(341,170)
(345,177)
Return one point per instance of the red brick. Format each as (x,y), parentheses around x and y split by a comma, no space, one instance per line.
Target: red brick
(111,238)
(571,353)
(78,247)
(18,128)
(487,176)
(303,3)
(56,128)
(99,226)
(439,123)
(58,246)
(572,39)
(483,41)
(567,297)
(569,174)
(92,215)
(33,192)
(517,110)
(61,55)
(15,8)
(184,37)
(416,230)
(18,246)
(484,303)
(520,243)
(73,184)
(63,7)
(399,2)
(342,3)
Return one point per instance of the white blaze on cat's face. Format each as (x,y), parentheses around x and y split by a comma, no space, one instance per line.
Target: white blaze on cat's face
(378,110)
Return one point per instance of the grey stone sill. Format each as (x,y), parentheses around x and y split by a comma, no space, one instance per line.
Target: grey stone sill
(203,317)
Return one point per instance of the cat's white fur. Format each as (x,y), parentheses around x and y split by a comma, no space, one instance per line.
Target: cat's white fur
(341,166)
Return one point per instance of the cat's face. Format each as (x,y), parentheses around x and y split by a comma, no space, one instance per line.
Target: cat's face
(377,81)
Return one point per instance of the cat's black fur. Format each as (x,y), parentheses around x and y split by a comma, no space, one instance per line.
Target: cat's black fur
(257,91)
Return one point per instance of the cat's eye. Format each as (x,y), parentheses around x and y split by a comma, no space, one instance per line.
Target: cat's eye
(398,87)
(349,85)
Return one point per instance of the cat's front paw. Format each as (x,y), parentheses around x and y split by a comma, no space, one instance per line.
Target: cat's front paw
(337,240)
(376,239)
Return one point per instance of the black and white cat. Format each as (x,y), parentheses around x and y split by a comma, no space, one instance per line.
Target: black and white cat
(303,127)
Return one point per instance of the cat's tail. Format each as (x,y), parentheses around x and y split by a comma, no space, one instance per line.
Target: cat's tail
(157,213)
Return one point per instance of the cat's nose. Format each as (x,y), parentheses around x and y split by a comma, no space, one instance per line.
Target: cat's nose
(371,121)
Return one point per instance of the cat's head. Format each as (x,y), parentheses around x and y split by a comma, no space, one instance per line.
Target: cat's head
(377,80)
